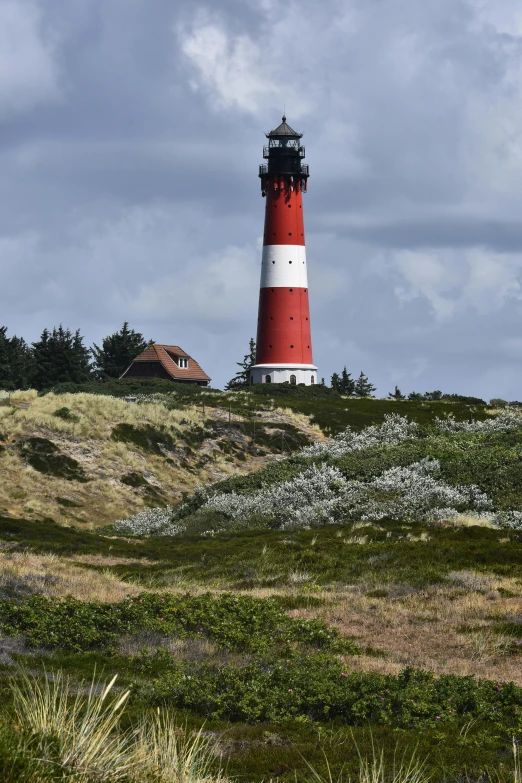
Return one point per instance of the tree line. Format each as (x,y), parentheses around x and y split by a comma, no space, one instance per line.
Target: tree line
(344,384)
(60,356)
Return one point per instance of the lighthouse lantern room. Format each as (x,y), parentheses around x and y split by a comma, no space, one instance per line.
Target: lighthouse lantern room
(284,343)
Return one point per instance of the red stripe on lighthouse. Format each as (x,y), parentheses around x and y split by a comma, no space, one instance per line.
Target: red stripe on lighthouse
(284,223)
(283,331)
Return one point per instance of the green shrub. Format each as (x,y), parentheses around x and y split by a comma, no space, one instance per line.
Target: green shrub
(232,622)
(146,437)
(66,413)
(318,688)
(45,457)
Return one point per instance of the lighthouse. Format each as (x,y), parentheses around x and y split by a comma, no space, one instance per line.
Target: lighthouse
(284,342)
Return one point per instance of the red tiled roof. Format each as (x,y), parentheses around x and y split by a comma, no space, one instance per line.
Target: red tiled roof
(167,355)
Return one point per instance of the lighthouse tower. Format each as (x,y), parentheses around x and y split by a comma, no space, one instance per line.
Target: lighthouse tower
(284,344)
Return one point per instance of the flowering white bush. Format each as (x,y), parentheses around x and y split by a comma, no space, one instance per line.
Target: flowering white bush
(320,495)
(512,520)
(152,522)
(393,430)
(506,421)
(309,498)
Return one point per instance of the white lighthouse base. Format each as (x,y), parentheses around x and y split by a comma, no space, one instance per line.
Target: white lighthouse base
(284,373)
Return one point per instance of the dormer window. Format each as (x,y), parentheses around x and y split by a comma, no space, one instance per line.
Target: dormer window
(183,362)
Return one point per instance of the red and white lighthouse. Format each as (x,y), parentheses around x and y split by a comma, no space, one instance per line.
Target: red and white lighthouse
(284,343)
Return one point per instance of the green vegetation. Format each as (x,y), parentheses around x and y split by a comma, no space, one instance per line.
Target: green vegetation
(45,457)
(145,437)
(322,663)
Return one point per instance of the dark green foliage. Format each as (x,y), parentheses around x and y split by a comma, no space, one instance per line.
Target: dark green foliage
(462,398)
(129,387)
(289,390)
(45,457)
(363,387)
(333,414)
(66,503)
(318,688)
(241,380)
(396,394)
(344,383)
(233,622)
(117,352)
(60,357)
(151,494)
(146,438)
(67,414)
(16,362)
(434,395)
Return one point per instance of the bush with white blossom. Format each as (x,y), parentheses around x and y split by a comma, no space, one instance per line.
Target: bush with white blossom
(506,421)
(321,494)
(391,432)
(151,522)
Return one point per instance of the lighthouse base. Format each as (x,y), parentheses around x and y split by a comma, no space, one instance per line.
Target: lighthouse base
(284,373)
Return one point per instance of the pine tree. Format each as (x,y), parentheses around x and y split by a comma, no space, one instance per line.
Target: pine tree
(363,387)
(347,384)
(242,377)
(396,395)
(117,352)
(16,362)
(415,396)
(434,395)
(335,382)
(60,357)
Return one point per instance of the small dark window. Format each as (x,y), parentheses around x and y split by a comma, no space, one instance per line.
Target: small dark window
(291,346)
(312,380)
(273,262)
(289,262)
(289,206)
(289,233)
(293,380)
(291,318)
(291,290)
(268,379)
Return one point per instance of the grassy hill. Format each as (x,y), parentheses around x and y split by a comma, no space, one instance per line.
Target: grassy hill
(328,596)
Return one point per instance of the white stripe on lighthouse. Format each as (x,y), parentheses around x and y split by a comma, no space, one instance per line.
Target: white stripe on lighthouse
(284,266)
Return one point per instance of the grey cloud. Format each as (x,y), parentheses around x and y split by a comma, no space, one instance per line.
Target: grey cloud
(129,178)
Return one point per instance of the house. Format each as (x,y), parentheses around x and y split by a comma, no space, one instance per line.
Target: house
(169,362)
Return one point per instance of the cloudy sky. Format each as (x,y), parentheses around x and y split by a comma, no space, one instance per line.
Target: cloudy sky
(131,132)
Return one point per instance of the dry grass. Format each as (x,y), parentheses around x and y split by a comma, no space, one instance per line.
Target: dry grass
(59,577)
(448,630)
(76,735)
(26,493)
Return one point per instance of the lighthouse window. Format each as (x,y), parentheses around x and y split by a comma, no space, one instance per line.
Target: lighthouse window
(291,317)
(273,262)
(291,346)
(312,380)
(291,290)
(268,379)
(293,380)
(289,233)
